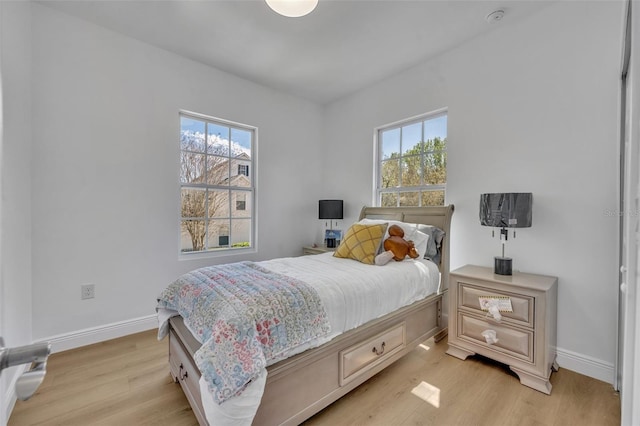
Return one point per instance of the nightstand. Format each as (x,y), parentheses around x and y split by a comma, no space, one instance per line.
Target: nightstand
(525,337)
(316,250)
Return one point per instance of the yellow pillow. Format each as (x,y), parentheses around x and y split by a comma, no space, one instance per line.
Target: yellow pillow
(361,242)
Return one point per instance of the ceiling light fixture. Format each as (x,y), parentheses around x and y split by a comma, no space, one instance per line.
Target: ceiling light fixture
(495,16)
(292,8)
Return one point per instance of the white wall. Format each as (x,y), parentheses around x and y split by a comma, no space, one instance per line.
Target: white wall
(105,169)
(532,108)
(15,263)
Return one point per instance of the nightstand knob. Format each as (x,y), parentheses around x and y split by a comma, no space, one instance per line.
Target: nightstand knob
(490,336)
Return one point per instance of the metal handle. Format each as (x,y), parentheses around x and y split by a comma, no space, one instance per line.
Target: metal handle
(375,351)
(186,373)
(37,354)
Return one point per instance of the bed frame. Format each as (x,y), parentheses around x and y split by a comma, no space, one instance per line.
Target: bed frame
(300,386)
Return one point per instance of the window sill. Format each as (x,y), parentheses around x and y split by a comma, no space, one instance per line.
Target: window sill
(213,254)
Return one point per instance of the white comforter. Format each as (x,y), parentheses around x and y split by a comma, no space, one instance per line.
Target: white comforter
(352,293)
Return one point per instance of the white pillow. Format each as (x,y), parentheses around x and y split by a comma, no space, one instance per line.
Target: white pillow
(420,239)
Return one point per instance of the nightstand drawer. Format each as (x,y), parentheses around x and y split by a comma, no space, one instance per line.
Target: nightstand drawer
(523,306)
(513,342)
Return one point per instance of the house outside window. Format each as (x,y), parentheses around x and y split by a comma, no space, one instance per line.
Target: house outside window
(215,158)
(411,161)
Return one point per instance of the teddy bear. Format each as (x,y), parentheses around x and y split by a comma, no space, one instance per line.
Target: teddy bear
(396,247)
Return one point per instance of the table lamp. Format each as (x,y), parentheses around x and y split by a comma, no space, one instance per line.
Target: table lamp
(330,209)
(505,210)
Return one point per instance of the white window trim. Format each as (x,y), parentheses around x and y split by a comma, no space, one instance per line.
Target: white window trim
(207,254)
(376,195)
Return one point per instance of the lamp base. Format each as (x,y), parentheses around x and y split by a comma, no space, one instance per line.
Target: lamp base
(330,242)
(502,265)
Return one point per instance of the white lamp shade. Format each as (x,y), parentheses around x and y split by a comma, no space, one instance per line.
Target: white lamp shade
(292,8)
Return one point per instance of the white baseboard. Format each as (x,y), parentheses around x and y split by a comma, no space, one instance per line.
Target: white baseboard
(586,365)
(89,336)
(10,396)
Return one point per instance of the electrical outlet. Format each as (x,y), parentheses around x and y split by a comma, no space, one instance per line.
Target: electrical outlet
(87,291)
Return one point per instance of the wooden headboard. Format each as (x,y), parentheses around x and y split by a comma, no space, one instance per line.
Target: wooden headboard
(439,216)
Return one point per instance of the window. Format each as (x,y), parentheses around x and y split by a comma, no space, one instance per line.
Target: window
(412,162)
(241,201)
(215,157)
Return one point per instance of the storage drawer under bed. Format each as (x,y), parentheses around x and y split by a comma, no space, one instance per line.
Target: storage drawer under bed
(357,359)
(185,372)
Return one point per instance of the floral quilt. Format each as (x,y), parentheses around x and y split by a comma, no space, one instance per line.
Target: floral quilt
(244,315)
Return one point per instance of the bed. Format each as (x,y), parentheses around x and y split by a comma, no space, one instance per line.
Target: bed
(296,387)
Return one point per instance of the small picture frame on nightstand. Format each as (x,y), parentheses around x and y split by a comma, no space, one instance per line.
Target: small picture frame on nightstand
(332,238)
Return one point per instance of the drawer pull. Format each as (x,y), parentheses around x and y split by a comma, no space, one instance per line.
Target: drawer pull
(490,336)
(185,374)
(375,351)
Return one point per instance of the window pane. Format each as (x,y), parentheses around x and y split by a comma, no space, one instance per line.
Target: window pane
(192,235)
(191,134)
(389,199)
(390,174)
(241,204)
(241,143)
(390,144)
(241,233)
(435,144)
(411,137)
(217,170)
(435,168)
(411,171)
(409,199)
(435,128)
(218,203)
(192,203)
(191,167)
(433,198)
(218,234)
(218,139)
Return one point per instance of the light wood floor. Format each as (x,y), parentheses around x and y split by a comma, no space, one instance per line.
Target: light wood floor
(126,382)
